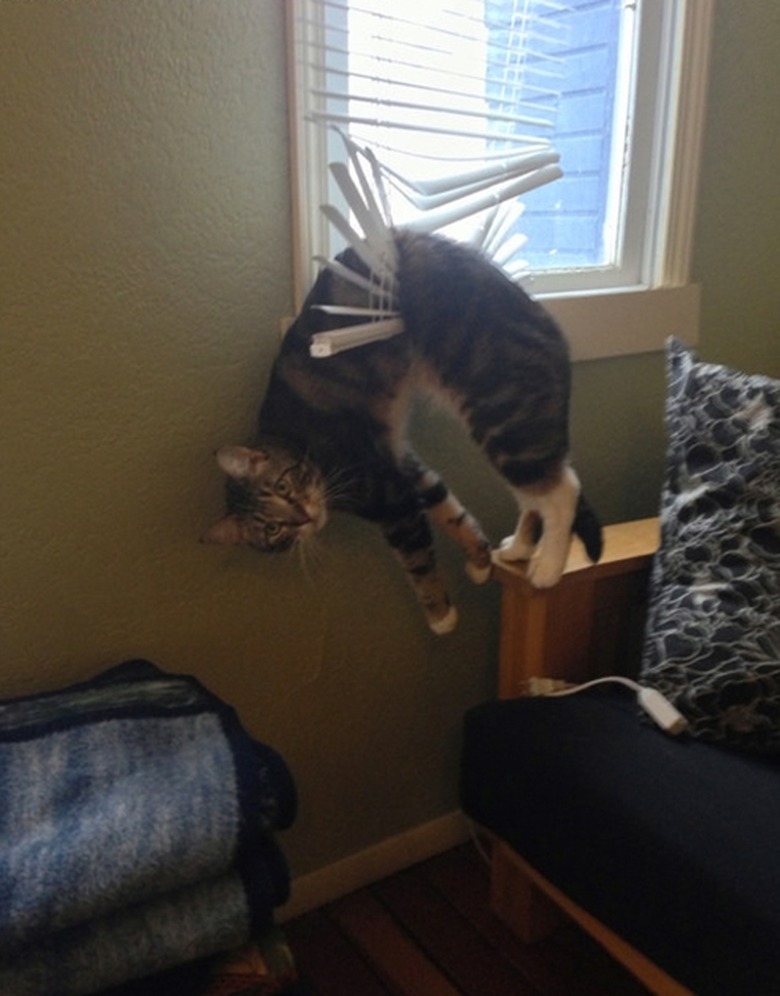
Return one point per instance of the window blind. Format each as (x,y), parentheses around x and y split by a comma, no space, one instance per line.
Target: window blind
(455,98)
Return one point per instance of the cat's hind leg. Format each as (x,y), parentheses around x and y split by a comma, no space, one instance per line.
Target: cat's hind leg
(448,514)
(551,507)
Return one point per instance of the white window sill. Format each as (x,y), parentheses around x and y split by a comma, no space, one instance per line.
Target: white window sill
(622,323)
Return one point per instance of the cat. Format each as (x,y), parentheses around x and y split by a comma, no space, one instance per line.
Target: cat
(332,432)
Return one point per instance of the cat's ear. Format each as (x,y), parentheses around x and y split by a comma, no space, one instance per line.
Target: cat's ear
(228,531)
(240,462)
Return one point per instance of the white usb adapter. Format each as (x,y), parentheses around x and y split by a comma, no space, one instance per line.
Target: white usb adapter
(656,705)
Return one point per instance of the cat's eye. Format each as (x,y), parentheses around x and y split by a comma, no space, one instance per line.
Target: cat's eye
(272,529)
(283,487)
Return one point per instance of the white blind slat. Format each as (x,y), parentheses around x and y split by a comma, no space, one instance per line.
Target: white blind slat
(434,87)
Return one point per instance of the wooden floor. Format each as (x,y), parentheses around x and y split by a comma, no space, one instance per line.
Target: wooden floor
(428,931)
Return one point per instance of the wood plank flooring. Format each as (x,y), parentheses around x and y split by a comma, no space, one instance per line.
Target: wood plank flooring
(428,931)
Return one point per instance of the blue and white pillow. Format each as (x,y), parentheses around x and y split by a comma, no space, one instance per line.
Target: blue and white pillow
(712,642)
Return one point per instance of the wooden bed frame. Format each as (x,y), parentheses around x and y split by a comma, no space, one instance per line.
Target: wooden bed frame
(588,626)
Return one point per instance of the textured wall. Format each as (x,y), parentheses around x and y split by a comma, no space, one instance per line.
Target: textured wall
(737,254)
(144,265)
(140,254)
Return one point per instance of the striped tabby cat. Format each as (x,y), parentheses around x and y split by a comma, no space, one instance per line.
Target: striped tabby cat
(332,432)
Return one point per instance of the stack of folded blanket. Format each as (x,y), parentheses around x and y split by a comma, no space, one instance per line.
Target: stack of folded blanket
(137,823)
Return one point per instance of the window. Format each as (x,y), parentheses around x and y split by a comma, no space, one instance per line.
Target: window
(610,91)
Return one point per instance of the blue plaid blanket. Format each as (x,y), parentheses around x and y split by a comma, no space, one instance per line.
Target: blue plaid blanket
(137,822)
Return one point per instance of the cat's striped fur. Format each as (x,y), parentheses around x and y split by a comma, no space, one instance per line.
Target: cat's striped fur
(338,425)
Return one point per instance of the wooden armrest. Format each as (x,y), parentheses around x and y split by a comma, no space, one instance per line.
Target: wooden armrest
(589,624)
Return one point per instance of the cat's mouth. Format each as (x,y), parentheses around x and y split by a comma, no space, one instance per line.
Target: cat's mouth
(316,516)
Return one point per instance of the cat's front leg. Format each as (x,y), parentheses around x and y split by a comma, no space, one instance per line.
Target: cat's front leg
(521,545)
(448,514)
(409,536)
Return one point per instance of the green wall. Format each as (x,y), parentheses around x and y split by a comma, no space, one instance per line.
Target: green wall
(144,266)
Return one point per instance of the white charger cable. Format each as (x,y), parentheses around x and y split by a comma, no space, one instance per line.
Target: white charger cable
(656,705)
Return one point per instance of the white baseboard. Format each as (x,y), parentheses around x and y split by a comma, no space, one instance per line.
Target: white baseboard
(374,863)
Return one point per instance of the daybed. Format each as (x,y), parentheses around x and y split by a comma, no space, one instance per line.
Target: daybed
(665,848)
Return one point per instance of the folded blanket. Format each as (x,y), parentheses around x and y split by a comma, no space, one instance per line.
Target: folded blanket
(136,819)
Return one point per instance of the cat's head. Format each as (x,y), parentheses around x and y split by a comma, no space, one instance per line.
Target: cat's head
(274,499)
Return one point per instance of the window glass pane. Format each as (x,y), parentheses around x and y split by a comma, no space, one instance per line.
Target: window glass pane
(604,84)
(568,223)
(514,70)
(432,57)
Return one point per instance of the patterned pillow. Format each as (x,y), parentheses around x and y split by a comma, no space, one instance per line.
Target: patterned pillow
(712,643)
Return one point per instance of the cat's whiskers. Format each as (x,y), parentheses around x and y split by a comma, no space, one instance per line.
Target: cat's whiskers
(337,489)
(309,552)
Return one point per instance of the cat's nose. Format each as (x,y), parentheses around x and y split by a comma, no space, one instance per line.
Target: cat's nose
(300,516)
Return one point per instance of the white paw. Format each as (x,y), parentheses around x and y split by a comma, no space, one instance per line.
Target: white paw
(544,572)
(446,624)
(479,575)
(511,549)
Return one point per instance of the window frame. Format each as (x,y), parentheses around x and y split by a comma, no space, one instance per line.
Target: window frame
(601,320)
